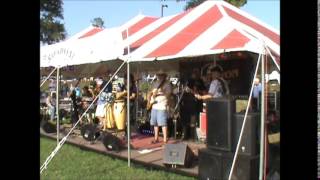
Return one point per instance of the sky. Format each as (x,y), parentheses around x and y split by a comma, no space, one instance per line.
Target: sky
(78,14)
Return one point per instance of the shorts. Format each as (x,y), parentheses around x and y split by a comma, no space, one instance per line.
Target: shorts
(158,117)
(101,110)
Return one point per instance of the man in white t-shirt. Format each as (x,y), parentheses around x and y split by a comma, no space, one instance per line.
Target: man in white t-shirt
(159,113)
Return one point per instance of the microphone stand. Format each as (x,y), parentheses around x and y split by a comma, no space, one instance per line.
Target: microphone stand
(175,109)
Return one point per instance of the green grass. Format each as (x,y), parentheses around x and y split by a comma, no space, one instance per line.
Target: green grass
(73,163)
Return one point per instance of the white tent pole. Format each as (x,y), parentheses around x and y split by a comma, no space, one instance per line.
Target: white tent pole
(137,95)
(261,169)
(57,104)
(128,112)
(48,77)
(128,101)
(245,119)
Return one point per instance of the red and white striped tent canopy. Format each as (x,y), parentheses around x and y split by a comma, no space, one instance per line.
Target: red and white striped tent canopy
(91,45)
(211,28)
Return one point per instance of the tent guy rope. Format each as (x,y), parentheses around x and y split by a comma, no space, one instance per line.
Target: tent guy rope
(47,77)
(245,120)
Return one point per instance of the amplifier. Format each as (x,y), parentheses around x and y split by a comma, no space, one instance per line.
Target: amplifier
(241,105)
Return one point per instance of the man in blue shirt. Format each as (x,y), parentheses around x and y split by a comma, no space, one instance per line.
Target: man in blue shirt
(256,94)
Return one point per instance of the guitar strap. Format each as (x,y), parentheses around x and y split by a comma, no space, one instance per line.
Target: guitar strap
(161,84)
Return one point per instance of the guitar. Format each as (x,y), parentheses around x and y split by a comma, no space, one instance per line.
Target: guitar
(151,100)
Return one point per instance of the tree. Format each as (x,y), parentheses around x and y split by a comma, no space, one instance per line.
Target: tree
(98,22)
(237,3)
(51,28)
(194,3)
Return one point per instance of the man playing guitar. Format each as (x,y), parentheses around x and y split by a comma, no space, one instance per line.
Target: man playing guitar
(158,101)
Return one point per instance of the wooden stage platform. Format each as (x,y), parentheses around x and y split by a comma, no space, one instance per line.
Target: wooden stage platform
(142,152)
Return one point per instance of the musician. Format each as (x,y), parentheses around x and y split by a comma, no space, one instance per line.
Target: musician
(191,106)
(218,86)
(206,78)
(132,97)
(102,99)
(74,104)
(158,98)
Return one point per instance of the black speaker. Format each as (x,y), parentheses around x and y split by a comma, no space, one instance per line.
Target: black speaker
(210,164)
(111,142)
(48,127)
(178,154)
(90,132)
(216,165)
(219,125)
(245,167)
(249,141)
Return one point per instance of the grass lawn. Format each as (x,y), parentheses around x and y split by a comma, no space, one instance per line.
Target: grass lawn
(73,163)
